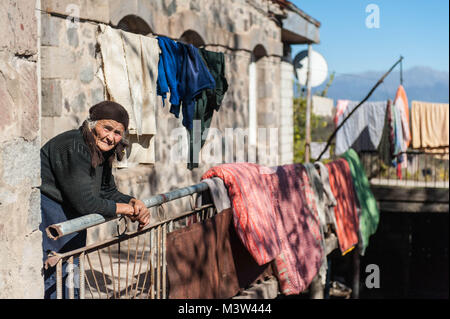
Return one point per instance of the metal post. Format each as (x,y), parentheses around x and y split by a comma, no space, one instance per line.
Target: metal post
(356,273)
(71,278)
(327,281)
(59,279)
(308,109)
(81,261)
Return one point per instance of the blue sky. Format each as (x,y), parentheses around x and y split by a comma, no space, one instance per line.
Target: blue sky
(416,29)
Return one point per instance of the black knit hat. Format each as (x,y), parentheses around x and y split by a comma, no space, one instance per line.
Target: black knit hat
(109,110)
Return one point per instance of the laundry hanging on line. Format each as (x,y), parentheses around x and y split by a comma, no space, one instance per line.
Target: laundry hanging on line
(136,68)
(346,213)
(196,81)
(430,127)
(277,214)
(265,222)
(362,131)
(130,72)
(369,214)
(376,126)
(396,133)
(183,71)
(206,103)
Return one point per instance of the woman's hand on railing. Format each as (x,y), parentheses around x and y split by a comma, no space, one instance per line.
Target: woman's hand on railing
(141,212)
(124,209)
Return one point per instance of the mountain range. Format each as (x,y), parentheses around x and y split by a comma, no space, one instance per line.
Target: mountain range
(420,83)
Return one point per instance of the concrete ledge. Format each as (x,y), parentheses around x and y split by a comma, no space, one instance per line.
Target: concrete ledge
(412,200)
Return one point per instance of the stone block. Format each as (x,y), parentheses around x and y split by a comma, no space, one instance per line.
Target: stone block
(30,273)
(20,163)
(76,98)
(7,196)
(34,212)
(57,62)
(87,74)
(52,100)
(52,126)
(50,27)
(72,36)
(21,251)
(97,96)
(19,107)
(121,8)
(97,10)
(19,27)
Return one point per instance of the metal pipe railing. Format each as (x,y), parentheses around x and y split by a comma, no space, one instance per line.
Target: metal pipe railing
(59,230)
(423,169)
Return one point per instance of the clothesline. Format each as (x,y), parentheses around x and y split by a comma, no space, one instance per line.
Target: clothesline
(361,103)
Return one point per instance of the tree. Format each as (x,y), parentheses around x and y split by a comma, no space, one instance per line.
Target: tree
(320,126)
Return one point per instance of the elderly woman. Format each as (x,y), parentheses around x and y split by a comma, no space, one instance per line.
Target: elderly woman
(77,179)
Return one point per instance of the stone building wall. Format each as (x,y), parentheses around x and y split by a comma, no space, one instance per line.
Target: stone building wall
(70,63)
(21,240)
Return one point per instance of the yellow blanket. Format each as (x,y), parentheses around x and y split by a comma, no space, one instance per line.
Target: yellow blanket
(429,126)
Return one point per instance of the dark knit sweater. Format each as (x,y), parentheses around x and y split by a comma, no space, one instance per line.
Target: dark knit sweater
(67,179)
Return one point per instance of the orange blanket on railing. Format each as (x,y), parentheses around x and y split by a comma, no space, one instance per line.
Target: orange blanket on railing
(347,220)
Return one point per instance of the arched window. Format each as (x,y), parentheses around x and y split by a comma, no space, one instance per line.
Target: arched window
(133,23)
(258,52)
(192,37)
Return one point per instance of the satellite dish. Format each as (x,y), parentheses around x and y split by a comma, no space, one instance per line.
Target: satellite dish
(319,68)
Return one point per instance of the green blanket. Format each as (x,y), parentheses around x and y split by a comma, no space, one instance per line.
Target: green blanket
(370,215)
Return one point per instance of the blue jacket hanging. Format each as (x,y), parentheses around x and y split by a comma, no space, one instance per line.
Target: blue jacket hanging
(169,69)
(195,77)
(182,70)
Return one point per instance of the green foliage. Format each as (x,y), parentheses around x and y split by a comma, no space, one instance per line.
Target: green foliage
(299,129)
(321,128)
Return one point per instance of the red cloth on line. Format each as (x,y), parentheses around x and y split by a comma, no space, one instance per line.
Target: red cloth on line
(254,215)
(346,213)
(272,216)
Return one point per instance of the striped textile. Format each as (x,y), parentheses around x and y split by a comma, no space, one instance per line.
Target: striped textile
(254,215)
(347,220)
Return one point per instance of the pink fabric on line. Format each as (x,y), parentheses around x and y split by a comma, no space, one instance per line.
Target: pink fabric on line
(341,106)
(276,219)
(298,227)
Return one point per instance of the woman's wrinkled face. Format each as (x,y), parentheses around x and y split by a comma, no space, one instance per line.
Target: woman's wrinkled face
(108,134)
